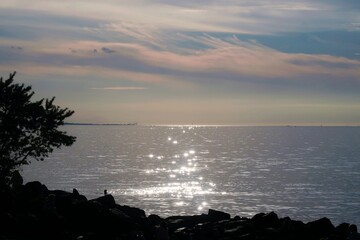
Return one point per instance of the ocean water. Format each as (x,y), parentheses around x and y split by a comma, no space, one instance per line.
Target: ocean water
(302,172)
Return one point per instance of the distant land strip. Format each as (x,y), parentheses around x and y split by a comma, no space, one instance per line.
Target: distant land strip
(102,124)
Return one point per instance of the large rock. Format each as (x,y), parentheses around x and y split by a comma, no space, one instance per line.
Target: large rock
(66,202)
(177,222)
(320,228)
(114,223)
(292,229)
(210,230)
(237,227)
(216,216)
(107,201)
(35,189)
(340,232)
(31,197)
(135,213)
(85,217)
(155,219)
(269,220)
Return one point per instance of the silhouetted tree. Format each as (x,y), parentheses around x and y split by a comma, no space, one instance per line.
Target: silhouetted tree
(28,129)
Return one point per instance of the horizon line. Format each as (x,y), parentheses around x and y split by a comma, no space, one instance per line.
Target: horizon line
(209,125)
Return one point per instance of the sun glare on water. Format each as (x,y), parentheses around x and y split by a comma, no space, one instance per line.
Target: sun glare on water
(181,173)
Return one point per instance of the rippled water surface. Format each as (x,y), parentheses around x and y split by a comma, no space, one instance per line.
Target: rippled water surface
(302,172)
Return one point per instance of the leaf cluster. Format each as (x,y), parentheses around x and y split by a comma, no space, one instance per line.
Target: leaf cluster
(28,129)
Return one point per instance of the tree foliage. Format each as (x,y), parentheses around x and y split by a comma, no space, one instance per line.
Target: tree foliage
(28,129)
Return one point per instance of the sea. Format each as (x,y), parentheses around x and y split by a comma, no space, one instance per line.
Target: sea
(305,173)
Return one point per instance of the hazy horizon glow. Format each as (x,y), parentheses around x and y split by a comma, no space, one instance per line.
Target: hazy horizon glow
(204,62)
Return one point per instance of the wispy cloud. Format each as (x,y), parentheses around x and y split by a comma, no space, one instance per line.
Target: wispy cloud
(207,15)
(120,88)
(221,56)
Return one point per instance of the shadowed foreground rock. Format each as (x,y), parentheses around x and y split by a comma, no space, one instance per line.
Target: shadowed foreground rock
(34,212)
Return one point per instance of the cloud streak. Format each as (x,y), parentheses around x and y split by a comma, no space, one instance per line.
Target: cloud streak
(230,56)
(208,16)
(120,88)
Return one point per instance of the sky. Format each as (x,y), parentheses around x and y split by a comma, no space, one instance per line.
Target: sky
(230,62)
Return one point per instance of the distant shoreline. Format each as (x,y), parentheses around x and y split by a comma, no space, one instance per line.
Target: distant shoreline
(102,124)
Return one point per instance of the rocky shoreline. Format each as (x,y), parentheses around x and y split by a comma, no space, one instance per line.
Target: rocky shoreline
(31,211)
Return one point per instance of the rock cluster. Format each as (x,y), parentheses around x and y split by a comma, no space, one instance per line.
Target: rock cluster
(34,212)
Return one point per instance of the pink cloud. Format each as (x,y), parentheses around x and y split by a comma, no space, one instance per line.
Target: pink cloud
(163,66)
(120,88)
(245,59)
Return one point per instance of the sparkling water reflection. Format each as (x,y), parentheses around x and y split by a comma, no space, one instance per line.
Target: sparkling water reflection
(303,172)
(181,169)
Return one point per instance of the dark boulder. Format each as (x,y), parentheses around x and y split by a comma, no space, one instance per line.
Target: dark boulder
(84,217)
(237,227)
(269,220)
(155,219)
(106,201)
(208,231)
(291,229)
(236,222)
(138,217)
(75,192)
(216,216)
(135,213)
(235,231)
(36,188)
(182,233)
(115,223)
(66,202)
(341,232)
(177,222)
(320,228)
(31,197)
(118,215)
